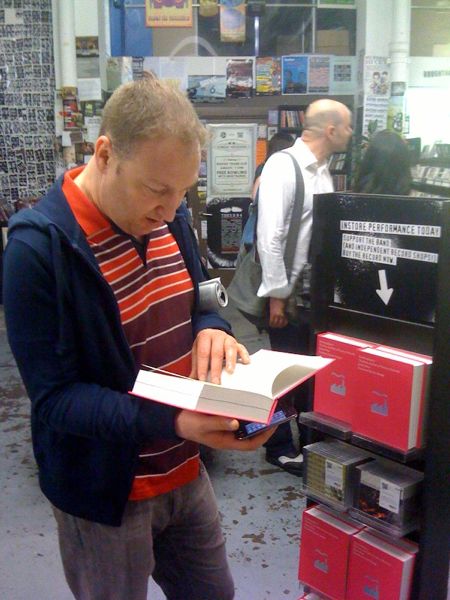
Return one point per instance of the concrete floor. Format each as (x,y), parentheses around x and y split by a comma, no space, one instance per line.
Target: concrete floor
(260,507)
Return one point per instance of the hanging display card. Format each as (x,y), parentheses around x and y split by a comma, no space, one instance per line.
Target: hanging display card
(232,20)
(168,13)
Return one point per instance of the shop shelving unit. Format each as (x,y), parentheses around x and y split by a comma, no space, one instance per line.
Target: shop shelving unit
(432,337)
(431,177)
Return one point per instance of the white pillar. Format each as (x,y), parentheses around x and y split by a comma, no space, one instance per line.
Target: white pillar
(56,52)
(66,30)
(104,39)
(399,59)
(399,46)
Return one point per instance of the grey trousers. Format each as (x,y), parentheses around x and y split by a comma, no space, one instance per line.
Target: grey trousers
(175,537)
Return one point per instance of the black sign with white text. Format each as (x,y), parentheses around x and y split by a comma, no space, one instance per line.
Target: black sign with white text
(383,252)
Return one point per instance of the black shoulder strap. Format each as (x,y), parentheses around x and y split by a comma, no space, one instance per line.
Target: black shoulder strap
(296,217)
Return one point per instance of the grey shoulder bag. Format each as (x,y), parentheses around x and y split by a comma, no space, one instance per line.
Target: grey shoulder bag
(248,275)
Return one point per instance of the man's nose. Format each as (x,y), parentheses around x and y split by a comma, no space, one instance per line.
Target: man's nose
(166,211)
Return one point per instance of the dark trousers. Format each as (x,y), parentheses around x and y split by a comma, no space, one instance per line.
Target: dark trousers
(176,538)
(292,338)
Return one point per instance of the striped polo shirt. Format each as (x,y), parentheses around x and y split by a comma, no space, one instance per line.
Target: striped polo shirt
(154,293)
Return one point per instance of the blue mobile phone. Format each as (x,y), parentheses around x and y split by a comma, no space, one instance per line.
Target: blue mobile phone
(281,415)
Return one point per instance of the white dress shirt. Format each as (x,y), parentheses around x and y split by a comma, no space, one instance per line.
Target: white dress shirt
(275,205)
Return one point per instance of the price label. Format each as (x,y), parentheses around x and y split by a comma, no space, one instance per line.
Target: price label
(390,496)
(333,475)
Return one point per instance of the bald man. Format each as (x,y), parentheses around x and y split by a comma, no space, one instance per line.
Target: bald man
(327,129)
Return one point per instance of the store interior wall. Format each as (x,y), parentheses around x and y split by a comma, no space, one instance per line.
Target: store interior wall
(374,21)
(27,104)
(27,88)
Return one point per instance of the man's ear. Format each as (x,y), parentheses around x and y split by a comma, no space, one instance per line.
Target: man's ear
(103,152)
(330,130)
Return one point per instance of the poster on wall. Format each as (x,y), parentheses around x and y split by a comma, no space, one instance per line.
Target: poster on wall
(294,74)
(319,74)
(168,13)
(376,76)
(232,20)
(227,217)
(231,159)
(206,88)
(376,94)
(343,75)
(168,68)
(374,114)
(72,115)
(267,76)
(396,108)
(239,75)
(87,53)
(89,88)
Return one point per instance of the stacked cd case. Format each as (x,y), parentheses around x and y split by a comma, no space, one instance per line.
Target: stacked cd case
(328,472)
(387,496)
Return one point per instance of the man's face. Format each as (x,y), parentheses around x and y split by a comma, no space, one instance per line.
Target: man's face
(140,192)
(342,132)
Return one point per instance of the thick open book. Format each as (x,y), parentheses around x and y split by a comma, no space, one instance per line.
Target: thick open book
(250,393)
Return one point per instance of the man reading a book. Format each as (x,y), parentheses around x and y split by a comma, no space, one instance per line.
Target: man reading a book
(101,277)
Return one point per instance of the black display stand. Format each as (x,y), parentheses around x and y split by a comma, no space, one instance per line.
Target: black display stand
(416,318)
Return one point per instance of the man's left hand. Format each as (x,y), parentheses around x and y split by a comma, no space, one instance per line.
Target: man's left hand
(211,348)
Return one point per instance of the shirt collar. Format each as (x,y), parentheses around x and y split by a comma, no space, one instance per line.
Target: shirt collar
(86,213)
(308,159)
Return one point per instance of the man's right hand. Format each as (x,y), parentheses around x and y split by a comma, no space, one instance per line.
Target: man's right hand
(277,316)
(216,432)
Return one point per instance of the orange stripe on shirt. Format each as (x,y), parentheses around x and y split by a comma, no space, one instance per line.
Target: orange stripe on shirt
(109,266)
(154,286)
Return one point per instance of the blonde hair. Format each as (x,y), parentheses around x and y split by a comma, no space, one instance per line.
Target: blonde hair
(149,109)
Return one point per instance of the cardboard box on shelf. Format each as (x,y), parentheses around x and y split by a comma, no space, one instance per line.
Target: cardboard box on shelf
(333,41)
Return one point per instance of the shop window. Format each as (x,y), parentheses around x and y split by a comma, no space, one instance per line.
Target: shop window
(336,32)
(285,27)
(286,30)
(430,28)
(129,35)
